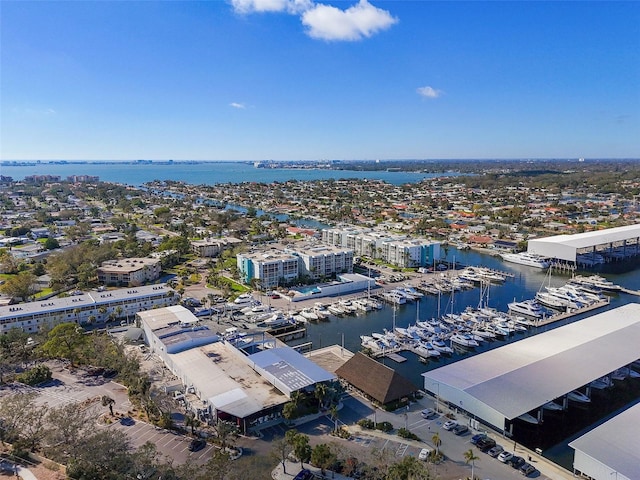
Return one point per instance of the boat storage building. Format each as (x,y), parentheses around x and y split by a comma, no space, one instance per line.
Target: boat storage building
(612,242)
(498,386)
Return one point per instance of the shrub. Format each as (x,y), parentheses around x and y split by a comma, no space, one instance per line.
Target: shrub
(366,423)
(36,375)
(404,433)
(384,426)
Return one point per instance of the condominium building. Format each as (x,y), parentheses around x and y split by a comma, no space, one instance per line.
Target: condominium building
(319,261)
(86,308)
(211,247)
(129,271)
(270,268)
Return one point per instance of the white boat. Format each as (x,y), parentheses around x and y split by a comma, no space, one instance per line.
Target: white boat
(441,347)
(529,308)
(243,299)
(552,406)
(336,309)
(527,417)
(362,306)
(394,297)
(528,259)
(463,340)
(309,314)
(348,306)
(425,349)
(579,397)
(320,310)
(601,383)
(376,305)
(410,289)
(551,301)
(484,333)
(277,320)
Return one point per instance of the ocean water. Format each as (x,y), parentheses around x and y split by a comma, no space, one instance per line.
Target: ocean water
(206,173)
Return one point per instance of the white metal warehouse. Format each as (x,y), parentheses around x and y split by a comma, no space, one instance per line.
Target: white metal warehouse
(568,247)
(612,450)
(498,386)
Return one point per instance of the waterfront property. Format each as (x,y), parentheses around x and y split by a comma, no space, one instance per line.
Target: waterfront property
(86,308)
(499,386)
(242,378)
(343,285)
(589,249)
(611,448)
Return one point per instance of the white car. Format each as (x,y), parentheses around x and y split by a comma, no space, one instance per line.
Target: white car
(424,453)
(505,456)
(449,425)
(428,413)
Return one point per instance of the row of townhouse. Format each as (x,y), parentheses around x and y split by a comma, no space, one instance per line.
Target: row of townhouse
(283,266)
(399,250)
(87,308)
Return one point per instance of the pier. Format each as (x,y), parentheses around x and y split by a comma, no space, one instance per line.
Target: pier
(572,313)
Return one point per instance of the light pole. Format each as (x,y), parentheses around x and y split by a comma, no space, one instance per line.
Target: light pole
(342,345)
(437,384)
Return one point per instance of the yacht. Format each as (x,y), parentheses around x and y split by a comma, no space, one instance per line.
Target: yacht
(551,301)
(336,309)
(529,308)
(528,259)
(464,340)
(527,417)
(244,299)
(361,305)
(442,347)
(320,310)
(347,306)
(410,289)
(309,314)
(394,297)
(552,406)
(579,397)
(426,349)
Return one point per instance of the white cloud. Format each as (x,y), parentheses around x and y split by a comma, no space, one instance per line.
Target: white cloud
(289,6)
(429,92)
(326,22)
(238,105)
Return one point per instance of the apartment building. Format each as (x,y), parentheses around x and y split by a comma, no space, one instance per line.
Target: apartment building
(270,268)
(129,271)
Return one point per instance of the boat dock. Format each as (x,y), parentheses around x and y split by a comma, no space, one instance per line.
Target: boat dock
(571,313)
(395,357)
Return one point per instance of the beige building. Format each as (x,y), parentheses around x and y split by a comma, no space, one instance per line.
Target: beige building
(129,271)
(211,247)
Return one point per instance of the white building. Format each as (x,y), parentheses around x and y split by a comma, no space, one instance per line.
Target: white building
(270,268)
(89,307)
(129,271)
(211,247)
(323,260)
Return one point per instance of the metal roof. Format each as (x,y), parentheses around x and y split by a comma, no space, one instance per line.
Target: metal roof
(288,370)
(224,380)
(615,443)
(582,240)
(524,375)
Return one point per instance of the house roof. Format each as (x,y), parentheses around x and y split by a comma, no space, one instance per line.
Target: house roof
(380,382)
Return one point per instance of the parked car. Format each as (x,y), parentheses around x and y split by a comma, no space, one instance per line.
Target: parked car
(460,429)
(505,456)
(477,437)
(495,451)
(303,474)
(527,469)
(197,444)
(516,462)
(428,413)
(485,444)
(449,425)
(128,421)
(424,453)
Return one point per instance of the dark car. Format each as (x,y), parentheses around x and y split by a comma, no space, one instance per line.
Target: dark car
(477,437)
(128,421)
(485,444)
(527,469)
(197,444)
(303,474)
(516,462)
(460,429)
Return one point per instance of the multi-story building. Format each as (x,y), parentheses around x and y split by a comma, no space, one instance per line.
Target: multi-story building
(396,249)
(270,268)
(86,308)
(323,260)
(129,271)
(211,247)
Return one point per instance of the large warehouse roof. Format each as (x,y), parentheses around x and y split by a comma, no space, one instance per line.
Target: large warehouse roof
(612,447)
(523,375)
(565,246)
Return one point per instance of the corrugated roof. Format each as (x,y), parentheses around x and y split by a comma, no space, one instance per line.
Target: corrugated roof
(290,370)
(523,375)
(589,239)
(615,443)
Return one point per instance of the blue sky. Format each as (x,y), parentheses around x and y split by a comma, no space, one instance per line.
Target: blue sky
(300,79)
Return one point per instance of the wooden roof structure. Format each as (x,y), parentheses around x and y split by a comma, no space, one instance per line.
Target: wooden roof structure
(379,382)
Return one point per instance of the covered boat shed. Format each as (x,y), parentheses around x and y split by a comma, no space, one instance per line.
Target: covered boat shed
(612,450)
(500,385)
(568,247)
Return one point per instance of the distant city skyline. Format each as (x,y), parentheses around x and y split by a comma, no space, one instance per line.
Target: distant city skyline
(245,80)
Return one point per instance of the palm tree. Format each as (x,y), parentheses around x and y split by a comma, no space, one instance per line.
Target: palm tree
(469,456)
(437,442)
(107,401)
(190,420)
(334,416)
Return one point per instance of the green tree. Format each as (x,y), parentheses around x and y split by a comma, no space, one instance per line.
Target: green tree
(51,243)
(471,457)
(322,456)
(437,442)
(21,286)
(107,401)
(66,340)
(300,444)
